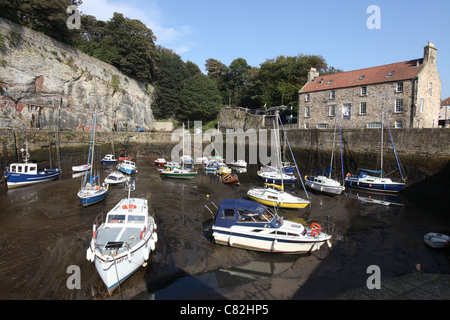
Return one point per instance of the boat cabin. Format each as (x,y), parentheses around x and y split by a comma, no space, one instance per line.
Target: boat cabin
(25,168)
(246,213)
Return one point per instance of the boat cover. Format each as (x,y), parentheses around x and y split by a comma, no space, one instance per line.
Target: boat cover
(231,209)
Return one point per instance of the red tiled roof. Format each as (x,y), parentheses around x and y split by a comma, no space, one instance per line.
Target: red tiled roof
(402,71)
(446,102)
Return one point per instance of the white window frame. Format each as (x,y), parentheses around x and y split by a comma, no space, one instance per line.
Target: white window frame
(322,126)
(398,106)
(374,125)
(307,111)
(332,95)
(399,87)
(363,91)
(349,107)
(361,108)
(398,124)
(422,105)
(307,97)
(332,110)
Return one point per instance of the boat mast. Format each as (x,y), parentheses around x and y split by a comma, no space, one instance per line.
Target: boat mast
(382,111)
(277,139)
(332,150)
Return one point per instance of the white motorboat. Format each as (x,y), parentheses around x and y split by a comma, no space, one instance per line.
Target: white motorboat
(273,175)
(109,158)
(239,163)
(324,184)
(250,225)
(437,240)
(122,243)
(116,177)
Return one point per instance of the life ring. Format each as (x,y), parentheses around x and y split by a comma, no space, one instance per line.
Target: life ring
(349,175)
(131,206)
(316,229)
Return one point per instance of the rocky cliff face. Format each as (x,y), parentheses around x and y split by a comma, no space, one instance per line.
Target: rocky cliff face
(44,83)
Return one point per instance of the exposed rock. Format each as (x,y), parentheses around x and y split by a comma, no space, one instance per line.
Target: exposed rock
(44,83)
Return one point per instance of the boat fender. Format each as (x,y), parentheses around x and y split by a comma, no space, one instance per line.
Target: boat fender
(94,232)
(155,237)
(143,231)
(89,255)
(230,241)
(129,255)
(146,254)
(152,245)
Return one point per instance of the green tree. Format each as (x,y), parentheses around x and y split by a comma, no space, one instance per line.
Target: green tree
(200,99)
(45,16)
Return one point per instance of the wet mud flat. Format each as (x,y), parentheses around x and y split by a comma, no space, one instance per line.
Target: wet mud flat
(44,230)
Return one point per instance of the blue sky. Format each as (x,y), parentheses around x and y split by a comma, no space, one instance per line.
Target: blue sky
(257,30)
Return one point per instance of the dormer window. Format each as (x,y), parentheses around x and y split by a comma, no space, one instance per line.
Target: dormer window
(390,74)
(329,82)
(362,78)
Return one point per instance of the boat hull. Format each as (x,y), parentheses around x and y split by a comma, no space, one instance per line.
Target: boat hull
(15,180)
(90,199)
(281,205)
(126,170)
(264,244)
(178,175)
(115,273)
(374,186)
(332,188)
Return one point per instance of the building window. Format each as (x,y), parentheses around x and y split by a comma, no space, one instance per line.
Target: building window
(332,110)
(306,125)
(373,125)
(307,112)
(399,87)
(398,124)
(399,105)
(307,97)
(430,89)
(322,126)
(346,110)
(329,82)
(422,105)
(362,78)
(390,74)
(363,91)
(363,108)
(332,95)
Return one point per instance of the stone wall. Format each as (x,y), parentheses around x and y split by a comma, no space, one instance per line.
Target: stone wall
(44,83)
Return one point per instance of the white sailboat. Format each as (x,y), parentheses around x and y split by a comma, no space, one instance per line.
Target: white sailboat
(273,194)
(376,183)
(92,191)
(323,183)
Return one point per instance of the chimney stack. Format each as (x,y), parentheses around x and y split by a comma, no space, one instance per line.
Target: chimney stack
(430,53)
(312,74)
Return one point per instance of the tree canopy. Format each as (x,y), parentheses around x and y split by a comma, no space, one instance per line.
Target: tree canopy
(182,91)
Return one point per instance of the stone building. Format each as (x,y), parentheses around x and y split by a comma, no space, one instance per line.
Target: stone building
(409,92)
(444,115)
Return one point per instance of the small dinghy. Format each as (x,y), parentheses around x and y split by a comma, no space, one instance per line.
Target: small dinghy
(437,240)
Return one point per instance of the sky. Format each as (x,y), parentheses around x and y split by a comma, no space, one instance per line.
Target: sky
(349,34)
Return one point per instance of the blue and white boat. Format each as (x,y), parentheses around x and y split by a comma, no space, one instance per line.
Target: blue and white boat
(127,166)
(250,225)
(376,183)
(109,158)
(22,174)
(92,191)
(122,242)
(273,175)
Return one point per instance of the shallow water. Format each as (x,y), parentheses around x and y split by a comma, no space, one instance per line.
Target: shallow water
(44,230)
